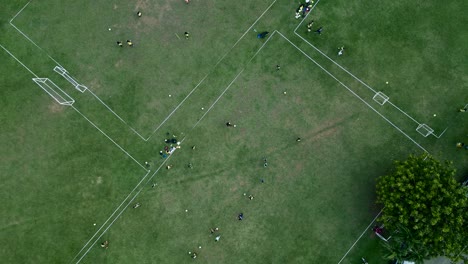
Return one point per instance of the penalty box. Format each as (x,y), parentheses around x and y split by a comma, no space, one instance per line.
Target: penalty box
(159,64)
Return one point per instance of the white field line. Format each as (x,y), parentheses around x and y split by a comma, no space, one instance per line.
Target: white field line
(363,232)
(107,228)
(102,226)
(121,148)
(21,10)
(22,64)
(262,46)
(139,183)
(245,33)
(302,20)
(439,136)
(118,215)
(403,112)
(216,64)
(351,91)
(219,97)
(334,62)
(175,109)
(115,114)
(348,72)
(26,36)
(136,132)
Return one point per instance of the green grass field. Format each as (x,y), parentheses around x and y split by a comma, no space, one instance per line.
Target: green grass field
(71,174)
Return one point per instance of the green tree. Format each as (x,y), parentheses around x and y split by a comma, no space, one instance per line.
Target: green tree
(425,209)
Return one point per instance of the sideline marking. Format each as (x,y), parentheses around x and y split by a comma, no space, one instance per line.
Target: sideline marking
(134,130)
(355,242)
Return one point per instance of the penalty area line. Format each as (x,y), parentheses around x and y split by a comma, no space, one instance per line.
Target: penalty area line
(216,64)
(22,64)
(21,10)
(121,212)
(217,99)
(108,137)
(115,114)
(353,93)
(175,109)
(110,216)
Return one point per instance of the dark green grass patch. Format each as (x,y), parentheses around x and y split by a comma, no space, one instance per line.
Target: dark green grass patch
(317,193)
(58,175)
(136,82)
(404,43)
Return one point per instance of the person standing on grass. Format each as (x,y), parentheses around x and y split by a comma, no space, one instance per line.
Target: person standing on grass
(262,35)
(309,26)
(340,51)
(138,14)
(129,43)
(319,30)
(187,35)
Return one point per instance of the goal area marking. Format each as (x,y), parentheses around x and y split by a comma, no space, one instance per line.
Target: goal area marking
(424,130)
(380,98)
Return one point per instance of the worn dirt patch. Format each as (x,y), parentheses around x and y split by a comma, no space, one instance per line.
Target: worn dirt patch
(326,129)
(94,84)
(54,107)
(118,64)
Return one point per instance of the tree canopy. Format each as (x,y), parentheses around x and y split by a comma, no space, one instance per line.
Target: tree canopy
(425,209)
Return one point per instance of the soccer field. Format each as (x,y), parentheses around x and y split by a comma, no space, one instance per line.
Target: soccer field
(73,172)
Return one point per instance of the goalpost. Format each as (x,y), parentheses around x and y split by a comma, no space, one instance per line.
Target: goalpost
(54,91)
(424,130)
(66,75)
(380,98)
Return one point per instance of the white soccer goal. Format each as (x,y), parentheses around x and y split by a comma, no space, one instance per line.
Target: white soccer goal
(64,73)
(424,130)
(380,98)
(54,91)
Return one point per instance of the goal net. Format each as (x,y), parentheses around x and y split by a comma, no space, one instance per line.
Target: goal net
(54,91)
(380,98)
(424,130)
